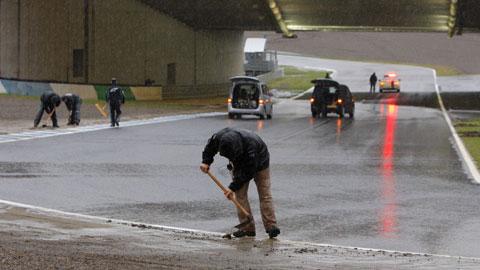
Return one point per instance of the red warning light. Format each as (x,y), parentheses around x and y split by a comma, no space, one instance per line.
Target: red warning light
(392,75)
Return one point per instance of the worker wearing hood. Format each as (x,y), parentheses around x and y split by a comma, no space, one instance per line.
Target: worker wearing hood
(249,159)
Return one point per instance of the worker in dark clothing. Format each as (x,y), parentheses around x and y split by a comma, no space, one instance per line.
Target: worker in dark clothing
(249,158)
(48,103)
(115,97)
(73,103)
(373,83)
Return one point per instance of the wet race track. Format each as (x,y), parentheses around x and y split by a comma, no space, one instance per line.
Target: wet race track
(388,179)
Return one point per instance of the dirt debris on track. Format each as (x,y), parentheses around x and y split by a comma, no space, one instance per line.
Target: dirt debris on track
(32,239)
(17,112)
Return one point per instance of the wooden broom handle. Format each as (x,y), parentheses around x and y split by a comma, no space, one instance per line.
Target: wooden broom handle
(224,189)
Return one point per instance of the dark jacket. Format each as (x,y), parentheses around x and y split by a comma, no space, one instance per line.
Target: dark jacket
(71,101)
(115,96)
(243,148)
(50,100)
(373,79)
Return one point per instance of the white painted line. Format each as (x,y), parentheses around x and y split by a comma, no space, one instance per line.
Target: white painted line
(303,93)
(465,111)
(30,135)
(381,250)
(110,220)
(333,72)
(2,88)
(212,234)
(467,159)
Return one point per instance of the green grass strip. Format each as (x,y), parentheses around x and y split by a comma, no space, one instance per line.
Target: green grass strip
(469,131)
(296,79)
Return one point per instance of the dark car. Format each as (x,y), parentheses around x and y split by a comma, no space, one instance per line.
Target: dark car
(331,97)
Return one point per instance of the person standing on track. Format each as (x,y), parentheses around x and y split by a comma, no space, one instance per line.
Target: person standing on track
(373,83)
(48,103)
(249,158)
(115,98)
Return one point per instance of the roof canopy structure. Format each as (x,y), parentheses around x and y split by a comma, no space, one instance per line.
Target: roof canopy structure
(218,15)
(452,16)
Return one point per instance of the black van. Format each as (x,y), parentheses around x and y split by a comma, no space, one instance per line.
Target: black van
(331,97)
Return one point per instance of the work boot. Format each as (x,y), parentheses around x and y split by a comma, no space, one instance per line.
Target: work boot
(55,126)
(273,231)
(242,233)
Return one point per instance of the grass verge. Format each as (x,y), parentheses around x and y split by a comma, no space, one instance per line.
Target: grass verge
(296,79)
(469,131)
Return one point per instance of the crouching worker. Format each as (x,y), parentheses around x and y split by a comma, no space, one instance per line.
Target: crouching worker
(73,103)
(49,101)
(249,158)
(115,97)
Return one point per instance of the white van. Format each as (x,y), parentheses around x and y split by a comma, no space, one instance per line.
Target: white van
(248,95)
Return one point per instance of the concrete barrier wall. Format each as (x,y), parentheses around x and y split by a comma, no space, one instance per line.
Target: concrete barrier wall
(26,88)
(201,91)
(102,90)
(147,93)
(126,39)
(85,91)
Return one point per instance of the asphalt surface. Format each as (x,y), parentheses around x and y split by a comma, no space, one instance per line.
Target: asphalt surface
(467,83)
(357,74)
(387,179)
(459,52)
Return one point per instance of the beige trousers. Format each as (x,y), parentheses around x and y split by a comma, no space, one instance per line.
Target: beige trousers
(262,180)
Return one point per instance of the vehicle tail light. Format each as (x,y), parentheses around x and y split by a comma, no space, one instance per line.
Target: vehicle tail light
(229,101)
(392,75)
(339,101)
(312,100)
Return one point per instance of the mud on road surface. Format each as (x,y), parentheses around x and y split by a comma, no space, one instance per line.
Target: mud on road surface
(32,239)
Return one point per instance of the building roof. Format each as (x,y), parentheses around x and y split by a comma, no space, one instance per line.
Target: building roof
(454,16)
